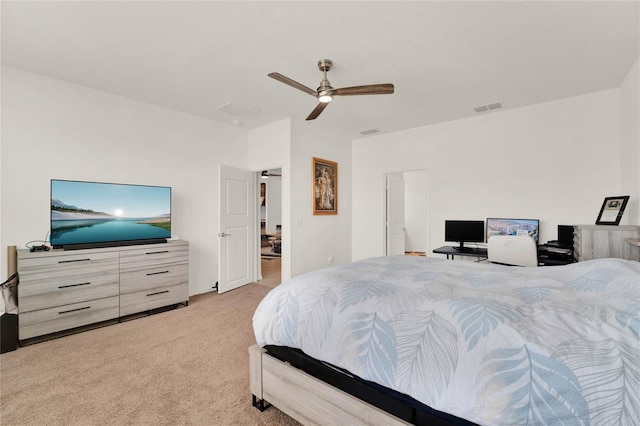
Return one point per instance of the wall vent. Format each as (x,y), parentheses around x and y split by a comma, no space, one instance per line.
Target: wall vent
(489,107)
(369,132)
(238,110)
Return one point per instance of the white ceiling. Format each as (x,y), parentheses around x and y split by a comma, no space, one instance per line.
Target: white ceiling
(445,58)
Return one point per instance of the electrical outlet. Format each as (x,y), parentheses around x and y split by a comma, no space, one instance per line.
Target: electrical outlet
(330,260)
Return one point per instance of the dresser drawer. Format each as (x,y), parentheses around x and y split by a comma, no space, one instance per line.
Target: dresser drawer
(151,278)
(141,301)
(45,321)
(150,257)
(47,293)
(54,265)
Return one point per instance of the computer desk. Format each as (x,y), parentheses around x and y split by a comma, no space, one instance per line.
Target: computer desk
(479,252)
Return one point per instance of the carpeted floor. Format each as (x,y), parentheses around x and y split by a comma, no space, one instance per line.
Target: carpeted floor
(188,366)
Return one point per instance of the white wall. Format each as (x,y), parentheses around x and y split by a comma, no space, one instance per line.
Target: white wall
(554,161)
(52,129)
(630,144)
(270,148)
(317,238)
(307,241)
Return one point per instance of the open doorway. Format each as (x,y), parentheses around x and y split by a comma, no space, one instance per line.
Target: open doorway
(270,225)
(407,213)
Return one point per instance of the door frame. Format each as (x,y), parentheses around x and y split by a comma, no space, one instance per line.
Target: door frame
(258,236)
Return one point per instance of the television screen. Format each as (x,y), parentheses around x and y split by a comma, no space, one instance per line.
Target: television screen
(93,214)
(464,231)
(498,226)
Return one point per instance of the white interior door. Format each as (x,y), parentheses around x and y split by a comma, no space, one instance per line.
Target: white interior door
(236,242)
(395,214)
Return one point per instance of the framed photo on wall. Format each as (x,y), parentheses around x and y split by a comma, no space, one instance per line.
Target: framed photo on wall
(325,186)
(612,209)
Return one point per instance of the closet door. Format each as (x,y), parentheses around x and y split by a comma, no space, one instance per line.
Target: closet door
(395,215)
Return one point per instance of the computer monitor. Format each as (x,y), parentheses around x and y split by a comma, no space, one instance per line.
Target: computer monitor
(464,231)
(502,226)
(565,235)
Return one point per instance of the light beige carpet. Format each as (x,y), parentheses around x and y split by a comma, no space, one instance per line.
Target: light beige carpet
(188,366)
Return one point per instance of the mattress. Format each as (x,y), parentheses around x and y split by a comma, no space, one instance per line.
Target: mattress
(490,344)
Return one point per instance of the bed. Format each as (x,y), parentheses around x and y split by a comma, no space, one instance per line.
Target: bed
(458,342)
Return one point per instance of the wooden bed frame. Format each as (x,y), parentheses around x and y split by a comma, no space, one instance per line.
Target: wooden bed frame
(305,398)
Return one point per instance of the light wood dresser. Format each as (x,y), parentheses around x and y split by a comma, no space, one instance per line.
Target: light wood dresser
(599,241)
(63,290)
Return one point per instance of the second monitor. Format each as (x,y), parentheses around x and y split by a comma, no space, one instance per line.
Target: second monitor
(464,231)
(518,227)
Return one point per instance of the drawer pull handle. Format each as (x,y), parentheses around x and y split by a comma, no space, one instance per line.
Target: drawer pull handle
(157,252)
(157,273)
(72,285)
(74,310)
(159,292)
(74,260)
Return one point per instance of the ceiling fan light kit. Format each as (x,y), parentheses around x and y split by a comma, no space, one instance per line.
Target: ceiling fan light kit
(325,93)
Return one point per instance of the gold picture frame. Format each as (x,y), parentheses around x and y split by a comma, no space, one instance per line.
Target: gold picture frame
(325,186)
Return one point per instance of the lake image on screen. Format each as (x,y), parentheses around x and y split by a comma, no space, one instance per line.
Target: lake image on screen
(88,212)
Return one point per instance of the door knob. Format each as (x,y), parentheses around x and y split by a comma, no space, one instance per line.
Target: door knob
(222,234)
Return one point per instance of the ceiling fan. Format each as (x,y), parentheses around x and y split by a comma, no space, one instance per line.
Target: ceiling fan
(325,92)
(265,174)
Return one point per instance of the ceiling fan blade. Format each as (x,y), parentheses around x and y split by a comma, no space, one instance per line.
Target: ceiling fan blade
(286,80)
(370,89)
(317,110)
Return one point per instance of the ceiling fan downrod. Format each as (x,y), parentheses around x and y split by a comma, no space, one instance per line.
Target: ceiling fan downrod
(324,89)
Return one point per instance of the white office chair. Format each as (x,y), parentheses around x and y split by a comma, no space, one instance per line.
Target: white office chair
(512,250)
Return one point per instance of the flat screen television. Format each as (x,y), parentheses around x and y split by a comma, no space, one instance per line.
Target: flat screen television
(464,231)
(500,226)
(94,214)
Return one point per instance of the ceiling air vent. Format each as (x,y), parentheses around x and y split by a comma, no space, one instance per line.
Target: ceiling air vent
(238,110)
(489,107)
(369,132)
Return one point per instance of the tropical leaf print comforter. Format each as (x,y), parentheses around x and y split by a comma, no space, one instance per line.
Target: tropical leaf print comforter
(492,344)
